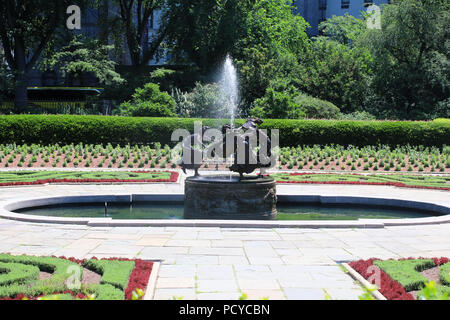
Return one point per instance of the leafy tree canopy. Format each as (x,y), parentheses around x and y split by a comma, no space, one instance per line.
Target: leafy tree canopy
(82,56)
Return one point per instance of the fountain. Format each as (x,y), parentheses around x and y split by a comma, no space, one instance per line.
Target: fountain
(249,148)
(229,87)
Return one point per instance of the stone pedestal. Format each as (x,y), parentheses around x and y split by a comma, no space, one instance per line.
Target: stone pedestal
(228,197)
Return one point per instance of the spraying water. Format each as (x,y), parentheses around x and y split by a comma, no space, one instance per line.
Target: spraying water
(229,87)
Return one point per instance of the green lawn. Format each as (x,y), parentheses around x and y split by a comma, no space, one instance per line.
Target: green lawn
(32,176)
(408,180)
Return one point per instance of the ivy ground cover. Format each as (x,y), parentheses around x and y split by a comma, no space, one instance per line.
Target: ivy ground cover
(30,278)
(408,279)
(9,178)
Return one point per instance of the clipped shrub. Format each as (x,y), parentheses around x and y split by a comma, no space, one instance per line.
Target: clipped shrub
(114,272)
(148,101)
(66,129)
(444,274)
(442,120)
(317,108)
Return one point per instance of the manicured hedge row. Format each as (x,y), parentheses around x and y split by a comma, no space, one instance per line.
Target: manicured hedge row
(46,129)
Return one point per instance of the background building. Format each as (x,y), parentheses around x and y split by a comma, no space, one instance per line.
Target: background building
(316,11)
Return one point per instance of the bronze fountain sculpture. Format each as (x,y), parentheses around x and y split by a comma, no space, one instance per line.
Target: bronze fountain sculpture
(229,196)
(194,146)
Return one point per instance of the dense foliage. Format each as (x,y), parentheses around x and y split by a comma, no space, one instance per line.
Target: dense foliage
(398,71)
(84,56)
(411,60)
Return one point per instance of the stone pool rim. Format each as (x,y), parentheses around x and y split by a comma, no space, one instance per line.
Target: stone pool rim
(442,210)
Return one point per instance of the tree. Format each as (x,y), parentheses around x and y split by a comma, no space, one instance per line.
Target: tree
(337,73)
(264,37)
(274,45)
(203,32)
(83,56)
(6,81)
(411,52)
(26,28)
(133,19)
(344,29)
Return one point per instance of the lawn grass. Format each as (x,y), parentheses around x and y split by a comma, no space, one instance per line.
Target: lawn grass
(435,181)
(12,177)
(406,272)
(401,180)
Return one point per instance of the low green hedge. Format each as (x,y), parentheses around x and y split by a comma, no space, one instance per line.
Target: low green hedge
(46,129)
(444,274)
(17,281)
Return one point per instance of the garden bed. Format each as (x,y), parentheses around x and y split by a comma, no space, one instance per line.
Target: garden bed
(321,158)
(407,279)
(30,278)
(20,178)
(395,180)
(337,158)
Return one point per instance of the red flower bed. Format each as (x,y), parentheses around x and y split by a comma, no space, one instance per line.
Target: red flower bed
(393,184)
(389,288)
(173,178)
(138,278)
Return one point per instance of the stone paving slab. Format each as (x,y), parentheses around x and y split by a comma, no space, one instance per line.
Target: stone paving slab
(225,263)
(274,269)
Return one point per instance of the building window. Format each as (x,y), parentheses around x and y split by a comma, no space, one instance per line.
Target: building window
(322,5)
(345,4)
(368,3)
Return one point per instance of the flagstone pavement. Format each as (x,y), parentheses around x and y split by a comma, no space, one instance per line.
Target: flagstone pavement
(225,263)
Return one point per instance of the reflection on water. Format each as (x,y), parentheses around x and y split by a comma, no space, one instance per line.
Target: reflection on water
(175,211)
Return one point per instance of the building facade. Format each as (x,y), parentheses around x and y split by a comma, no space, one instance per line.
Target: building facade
(316,11)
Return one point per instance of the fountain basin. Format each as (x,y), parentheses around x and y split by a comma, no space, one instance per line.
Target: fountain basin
(229,197)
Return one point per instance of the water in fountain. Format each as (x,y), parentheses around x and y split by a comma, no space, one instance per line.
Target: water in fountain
(229,88)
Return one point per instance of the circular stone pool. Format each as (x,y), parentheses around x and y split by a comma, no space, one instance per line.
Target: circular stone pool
(174,210)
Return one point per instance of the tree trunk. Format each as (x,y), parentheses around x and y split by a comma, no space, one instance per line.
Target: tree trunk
(21,94)
(21,79)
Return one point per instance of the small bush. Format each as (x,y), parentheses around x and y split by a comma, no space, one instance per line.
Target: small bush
(317,109)
(149,101)
(277,104)
(204,101)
